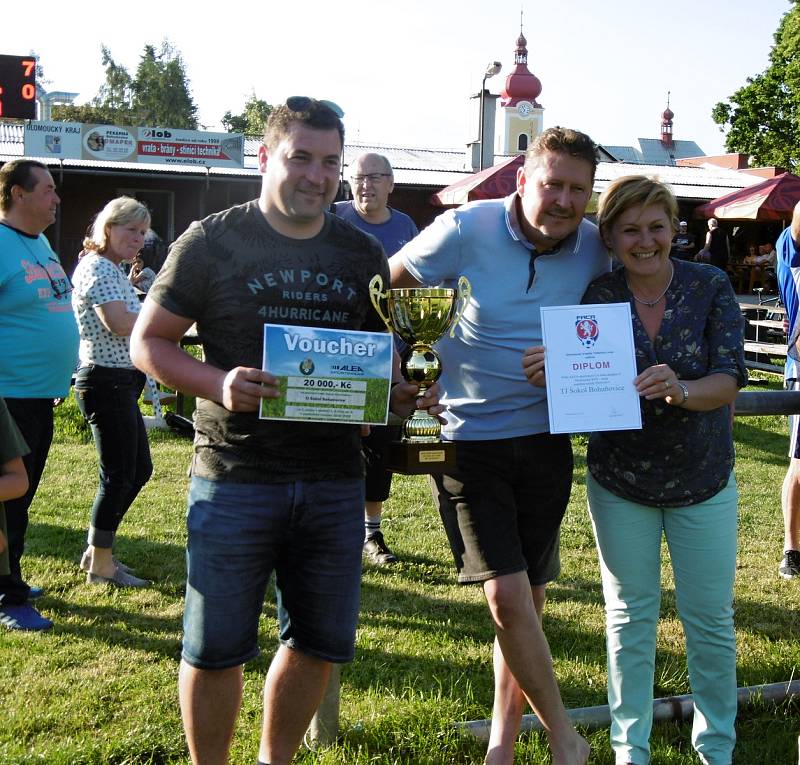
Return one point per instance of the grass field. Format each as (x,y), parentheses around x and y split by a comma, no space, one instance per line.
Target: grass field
(100,687)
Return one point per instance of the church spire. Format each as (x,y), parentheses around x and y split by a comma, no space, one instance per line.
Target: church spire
(666,125)
(521,84)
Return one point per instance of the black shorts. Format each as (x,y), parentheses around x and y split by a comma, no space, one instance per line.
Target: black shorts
(377,480)
(503,507)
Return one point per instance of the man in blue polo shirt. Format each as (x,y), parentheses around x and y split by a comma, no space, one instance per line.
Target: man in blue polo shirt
(788,272)
(502,506)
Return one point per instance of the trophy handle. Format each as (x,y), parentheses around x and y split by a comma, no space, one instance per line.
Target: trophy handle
(464,292)
(376,294)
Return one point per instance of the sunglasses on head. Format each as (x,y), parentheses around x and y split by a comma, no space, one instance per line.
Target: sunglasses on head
(304,103)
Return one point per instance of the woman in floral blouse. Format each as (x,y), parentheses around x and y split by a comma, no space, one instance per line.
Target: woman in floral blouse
(672,478)
(107,386)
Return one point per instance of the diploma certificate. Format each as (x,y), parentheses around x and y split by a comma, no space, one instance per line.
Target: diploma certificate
(590,364)
(328,375)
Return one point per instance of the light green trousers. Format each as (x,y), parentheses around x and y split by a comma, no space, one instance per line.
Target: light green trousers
(701,540)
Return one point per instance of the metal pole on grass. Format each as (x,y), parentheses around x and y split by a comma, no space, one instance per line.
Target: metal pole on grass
(664,710)
(324,727)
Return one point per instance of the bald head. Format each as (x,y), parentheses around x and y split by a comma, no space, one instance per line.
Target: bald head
(372,180)
(796,224)
(370,162)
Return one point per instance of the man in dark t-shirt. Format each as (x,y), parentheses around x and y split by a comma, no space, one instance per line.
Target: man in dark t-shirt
(266,495)
(717,244)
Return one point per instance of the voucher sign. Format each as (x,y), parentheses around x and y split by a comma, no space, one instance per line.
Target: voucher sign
(328,375)
(590,365)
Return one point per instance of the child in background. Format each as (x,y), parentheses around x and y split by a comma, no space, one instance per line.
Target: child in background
(13,484)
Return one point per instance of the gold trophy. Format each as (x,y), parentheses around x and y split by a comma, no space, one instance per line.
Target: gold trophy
(420,316)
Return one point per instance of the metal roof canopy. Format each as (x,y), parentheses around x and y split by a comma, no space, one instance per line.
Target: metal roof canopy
(420,167)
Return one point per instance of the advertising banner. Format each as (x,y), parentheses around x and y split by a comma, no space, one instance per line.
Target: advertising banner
(112,143)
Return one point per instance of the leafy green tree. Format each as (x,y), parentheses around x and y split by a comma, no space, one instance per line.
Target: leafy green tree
(251,120)
(158,95)
(115,93)
(161,95)
(93,115)
(763,117)
(111,105)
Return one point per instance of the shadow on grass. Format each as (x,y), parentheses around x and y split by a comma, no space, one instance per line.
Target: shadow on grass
(116,625)
(770,447)
(445,624)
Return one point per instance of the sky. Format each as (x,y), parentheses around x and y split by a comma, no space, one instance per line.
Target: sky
(404,72)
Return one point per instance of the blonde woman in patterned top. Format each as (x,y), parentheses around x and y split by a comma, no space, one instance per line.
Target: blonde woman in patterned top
(107,386)
(673,479)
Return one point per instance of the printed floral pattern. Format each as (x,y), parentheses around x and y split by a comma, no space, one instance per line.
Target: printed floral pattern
(679,457)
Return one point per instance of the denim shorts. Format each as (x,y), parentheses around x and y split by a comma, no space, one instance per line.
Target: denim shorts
(309,533)
(502,507)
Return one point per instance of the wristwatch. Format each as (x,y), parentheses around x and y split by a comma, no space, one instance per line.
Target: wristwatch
(685,392)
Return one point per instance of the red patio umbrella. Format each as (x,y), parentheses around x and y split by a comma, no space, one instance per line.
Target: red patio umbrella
(772,199)
(490,183)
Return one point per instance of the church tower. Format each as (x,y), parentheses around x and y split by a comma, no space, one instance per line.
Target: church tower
(666,126)
(519,119)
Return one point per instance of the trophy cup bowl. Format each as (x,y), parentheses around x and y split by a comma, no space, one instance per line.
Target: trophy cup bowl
(420,316)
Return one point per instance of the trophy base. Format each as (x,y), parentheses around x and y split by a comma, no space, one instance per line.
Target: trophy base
(416,459)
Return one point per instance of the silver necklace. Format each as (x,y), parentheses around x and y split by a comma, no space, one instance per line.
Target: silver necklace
(652,303)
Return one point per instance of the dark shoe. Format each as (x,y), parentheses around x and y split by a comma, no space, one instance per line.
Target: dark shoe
(23,617)
(376,550)
(35,593)
(118,563)
(120,579)
(790,565)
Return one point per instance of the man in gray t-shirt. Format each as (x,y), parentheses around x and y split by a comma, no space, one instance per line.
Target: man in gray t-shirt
(266,495)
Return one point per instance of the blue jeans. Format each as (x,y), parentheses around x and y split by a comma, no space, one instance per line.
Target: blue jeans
(702,545)
(309,533)
(108,399)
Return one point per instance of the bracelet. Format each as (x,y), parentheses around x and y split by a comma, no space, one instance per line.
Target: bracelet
(685,392)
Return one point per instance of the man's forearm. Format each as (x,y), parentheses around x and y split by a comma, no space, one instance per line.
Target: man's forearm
(168,363)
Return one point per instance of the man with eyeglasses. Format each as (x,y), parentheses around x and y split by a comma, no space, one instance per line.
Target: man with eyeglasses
(38,353)
(371,181)
(503,504)
(266,495)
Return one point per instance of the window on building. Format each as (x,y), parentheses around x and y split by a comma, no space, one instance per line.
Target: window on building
(522,142)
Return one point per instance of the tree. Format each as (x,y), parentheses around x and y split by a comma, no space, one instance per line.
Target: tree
(158,95)
(251,120)
(161,95)
(763,117)
(111,105)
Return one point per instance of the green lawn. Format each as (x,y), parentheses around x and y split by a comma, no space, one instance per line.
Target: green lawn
(100,687)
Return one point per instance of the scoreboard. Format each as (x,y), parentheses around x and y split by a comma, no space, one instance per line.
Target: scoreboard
(18,87)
